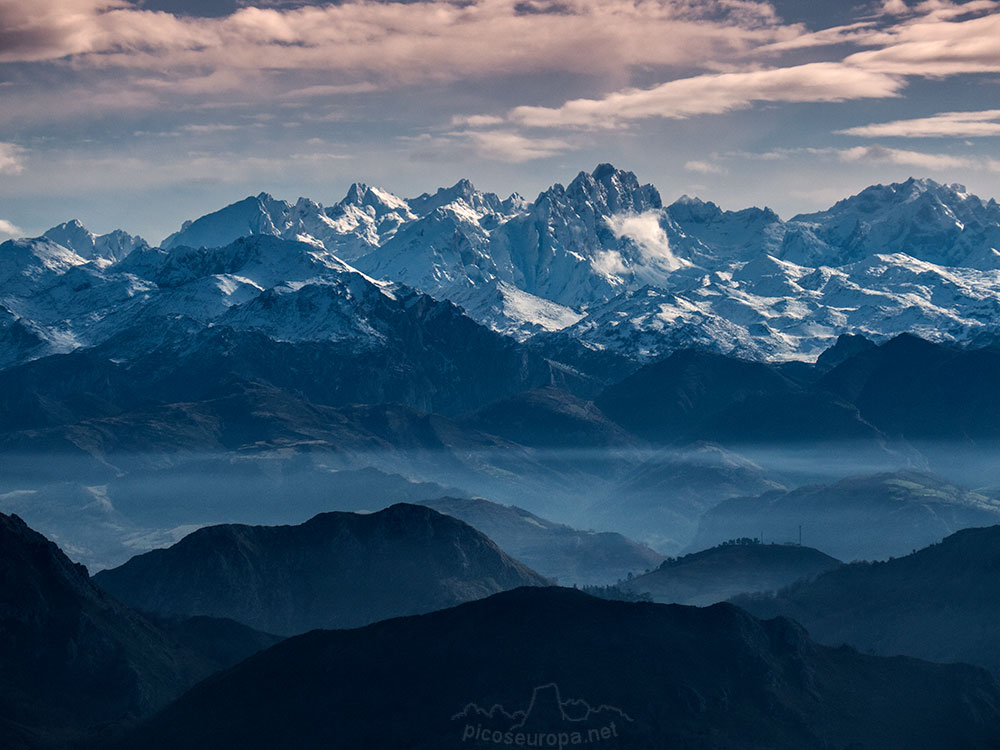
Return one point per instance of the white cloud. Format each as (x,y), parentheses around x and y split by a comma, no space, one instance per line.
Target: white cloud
(703,167)
(894,8)
(495,145)
(908,158)
(328,90)
(476,121)
(872,154)
(608,263)
(944,124)
(504,145)
(11,158)
(8,230)
(645,231)
(715,94)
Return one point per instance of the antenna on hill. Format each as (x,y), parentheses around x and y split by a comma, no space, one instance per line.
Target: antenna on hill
(800,534)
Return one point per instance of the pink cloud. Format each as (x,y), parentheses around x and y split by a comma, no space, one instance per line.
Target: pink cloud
(715,94)
(942,125)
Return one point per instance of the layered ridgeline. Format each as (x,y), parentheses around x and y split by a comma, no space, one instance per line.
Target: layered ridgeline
(740,566)
(940,603)
(557,551)
(76,661)
(599,262)
(858,518)
(338,570)
(126,456)
(544,662)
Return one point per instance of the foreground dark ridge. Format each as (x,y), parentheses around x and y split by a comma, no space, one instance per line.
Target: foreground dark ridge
(683,677)
(75,661)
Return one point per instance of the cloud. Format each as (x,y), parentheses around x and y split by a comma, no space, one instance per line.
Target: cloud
(436,39)
(8,230)
(504,145)
(715,94)
(495,145)
(476,121)
(935,44)
(703,167)
(919,159)
(870,154)
(894,8)
(328,90)
(11,158)
(942,125)
(645,231)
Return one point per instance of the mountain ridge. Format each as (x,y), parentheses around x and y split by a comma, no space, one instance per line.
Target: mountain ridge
(601,261)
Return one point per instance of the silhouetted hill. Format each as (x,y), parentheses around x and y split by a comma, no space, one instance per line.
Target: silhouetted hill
(940,603)
(546,660)
(336,570)
(555,550)
(720,573)
(72,657)
(858,518)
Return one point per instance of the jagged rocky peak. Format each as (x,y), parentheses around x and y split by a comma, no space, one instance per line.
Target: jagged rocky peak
(613,191)
(367,196)
(691,210)
(73,235)
(113,246)
(516,203)
(463,190)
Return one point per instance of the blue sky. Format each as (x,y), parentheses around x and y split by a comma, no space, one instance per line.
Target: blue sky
(140,115)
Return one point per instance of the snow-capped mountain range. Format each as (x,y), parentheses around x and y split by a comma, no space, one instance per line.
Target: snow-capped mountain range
(600,261)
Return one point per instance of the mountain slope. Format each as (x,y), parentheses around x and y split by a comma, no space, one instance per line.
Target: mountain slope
(556,660)
(336,570)
(939,603)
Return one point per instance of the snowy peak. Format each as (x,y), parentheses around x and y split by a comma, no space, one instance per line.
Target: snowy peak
(113,246)
(693,211)
(380,201)
(941,224)
(34,259)
(464,191)
(72,235)
(262,260)
(254,215)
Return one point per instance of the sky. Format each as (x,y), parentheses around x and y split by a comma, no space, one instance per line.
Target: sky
(140,115)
